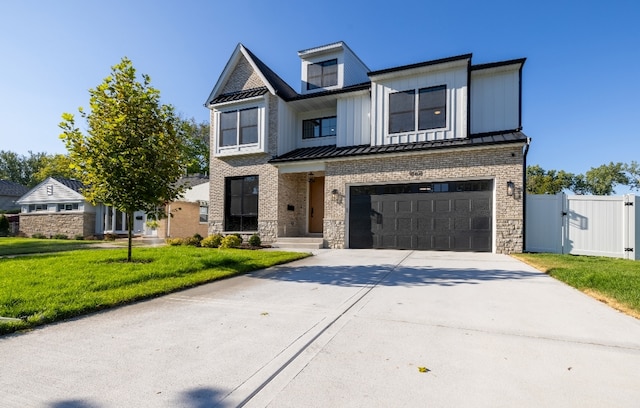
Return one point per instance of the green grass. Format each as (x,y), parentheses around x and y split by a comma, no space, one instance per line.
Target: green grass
(15,246)
(47,288)
(613,281)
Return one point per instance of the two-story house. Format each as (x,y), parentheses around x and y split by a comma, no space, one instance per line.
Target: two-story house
(422,156)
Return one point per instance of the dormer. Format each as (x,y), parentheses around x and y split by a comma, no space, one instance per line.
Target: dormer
(330,67)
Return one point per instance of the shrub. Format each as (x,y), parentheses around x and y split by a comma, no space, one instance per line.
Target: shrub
(230,241)
(192,241)
(174,241)
(4,226)
(255,240)
(78,237)
(212,241)
(239,237)
(38,235)
(110,237)
(60,236)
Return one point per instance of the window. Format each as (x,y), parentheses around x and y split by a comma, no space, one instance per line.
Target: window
(239,127)
(37,207)
(430,108)
(322,74)
(321,127)
(241,203)
(204,211)
(68,207)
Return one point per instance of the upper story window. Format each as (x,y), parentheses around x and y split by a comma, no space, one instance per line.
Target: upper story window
(239,127)
(322,74)
(408,113)
(321,127)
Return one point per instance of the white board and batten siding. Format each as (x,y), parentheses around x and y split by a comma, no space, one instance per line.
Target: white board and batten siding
(456,105)
(584,225)
(495,99)
(354,122)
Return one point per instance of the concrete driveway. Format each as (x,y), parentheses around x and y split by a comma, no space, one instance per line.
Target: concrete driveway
(345,328)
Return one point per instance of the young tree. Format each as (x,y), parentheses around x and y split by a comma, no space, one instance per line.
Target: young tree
(132,155)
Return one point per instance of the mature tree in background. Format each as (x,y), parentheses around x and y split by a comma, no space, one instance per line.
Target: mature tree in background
(21,169)
(540,181)
(196,145)
(132,155)
(603,179)
(57,165)
(633,173)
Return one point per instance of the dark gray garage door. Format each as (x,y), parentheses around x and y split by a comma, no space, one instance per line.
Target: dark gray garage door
(454,216)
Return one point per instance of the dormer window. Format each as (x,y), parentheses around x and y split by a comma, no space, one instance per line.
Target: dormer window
(408,113)
(322,74)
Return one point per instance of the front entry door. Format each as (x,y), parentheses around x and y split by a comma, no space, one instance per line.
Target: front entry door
(316,204)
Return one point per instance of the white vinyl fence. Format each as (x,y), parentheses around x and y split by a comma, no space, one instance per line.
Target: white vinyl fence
(583,225)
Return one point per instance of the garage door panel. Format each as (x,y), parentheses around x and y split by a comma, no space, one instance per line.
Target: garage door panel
(455,216)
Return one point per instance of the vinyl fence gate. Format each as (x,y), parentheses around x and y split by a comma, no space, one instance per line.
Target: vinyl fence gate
(583,225)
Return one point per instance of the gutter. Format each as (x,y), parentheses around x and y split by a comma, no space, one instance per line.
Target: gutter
(524,195)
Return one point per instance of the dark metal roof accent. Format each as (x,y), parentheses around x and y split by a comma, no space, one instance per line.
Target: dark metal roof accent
(420,64)
(332,151)
(11,189)
(498,64)
(283,89)
(236,96)
(75,185)
(351,88)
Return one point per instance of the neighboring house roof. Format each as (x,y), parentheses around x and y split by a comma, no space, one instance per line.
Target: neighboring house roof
(332,151)
(11,189)
(75,185)
(53,189)
(193,180)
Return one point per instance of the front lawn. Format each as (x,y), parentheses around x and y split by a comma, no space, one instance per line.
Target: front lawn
(15,246)
(613,281)
(47,288)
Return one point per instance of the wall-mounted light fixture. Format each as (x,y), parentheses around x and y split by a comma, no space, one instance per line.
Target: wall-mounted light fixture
(311,177)
(336,196)
(511,188)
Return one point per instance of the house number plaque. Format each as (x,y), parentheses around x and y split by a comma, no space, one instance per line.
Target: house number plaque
(415,173)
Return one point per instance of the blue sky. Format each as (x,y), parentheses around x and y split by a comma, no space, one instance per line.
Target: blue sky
(581,87)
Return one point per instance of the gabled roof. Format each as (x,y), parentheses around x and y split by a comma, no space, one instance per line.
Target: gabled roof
(53,189)
(11,189)
(193,180)
(333,152)
(273,83)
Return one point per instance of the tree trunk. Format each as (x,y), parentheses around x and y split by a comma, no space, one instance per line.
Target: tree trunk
(130,231)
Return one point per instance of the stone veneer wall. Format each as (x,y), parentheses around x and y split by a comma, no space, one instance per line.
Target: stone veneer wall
(70,224)
(248,165)
(502,163)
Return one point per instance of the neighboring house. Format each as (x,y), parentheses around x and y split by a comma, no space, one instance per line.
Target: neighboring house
(190,214)
(422,156)
(9,193)
(57,206)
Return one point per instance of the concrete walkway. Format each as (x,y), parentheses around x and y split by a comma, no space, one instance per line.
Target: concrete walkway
(345,328)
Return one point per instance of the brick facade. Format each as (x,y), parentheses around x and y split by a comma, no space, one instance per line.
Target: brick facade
(184,221)
(71,224)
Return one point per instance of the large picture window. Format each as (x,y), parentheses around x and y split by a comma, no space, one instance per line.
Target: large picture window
(408,113)
(321,127)
(322,74)
(241,203)
(239,127)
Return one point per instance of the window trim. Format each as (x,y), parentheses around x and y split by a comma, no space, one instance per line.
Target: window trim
(416,92)
(320,125)
(257,146)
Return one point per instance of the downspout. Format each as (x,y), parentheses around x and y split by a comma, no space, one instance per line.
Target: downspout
(524,195)
(168,233)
